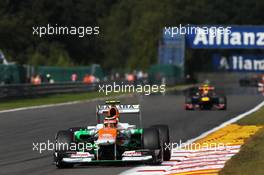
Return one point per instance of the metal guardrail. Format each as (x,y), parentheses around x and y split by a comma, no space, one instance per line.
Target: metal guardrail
(29,90)
(14,91)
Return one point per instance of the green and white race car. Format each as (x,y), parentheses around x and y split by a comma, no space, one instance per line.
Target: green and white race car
(112,141)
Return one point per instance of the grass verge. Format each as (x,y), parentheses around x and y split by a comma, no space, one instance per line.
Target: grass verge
(63,98)
(52,99)
(250,158)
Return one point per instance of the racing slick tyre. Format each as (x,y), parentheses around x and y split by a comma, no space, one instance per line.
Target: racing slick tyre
(151,141)
(222,101)
(164,140)
(188,101)
(62,138)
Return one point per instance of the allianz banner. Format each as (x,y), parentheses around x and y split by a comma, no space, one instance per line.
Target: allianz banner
(237,37)
(239,63)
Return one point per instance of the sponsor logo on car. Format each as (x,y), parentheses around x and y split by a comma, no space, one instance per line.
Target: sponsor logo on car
(81,155)
(132,154)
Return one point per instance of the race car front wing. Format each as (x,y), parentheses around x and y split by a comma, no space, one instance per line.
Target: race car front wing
(128,156)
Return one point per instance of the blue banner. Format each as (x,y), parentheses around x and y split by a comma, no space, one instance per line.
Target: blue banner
(172,50)
(239,63)
(235,37)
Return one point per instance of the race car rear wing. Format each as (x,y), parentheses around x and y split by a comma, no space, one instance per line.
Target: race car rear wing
(209,88)
(122,108)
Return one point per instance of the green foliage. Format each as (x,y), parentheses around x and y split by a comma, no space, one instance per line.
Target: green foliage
(50,54)
(130,30)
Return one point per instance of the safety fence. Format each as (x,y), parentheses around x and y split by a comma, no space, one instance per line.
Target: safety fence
(16,74)
(29,90)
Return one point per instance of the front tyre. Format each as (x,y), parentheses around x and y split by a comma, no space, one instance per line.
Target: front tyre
(151,141)
(63,141)
(164,140)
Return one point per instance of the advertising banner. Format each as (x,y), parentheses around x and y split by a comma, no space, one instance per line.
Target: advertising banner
(172,50)
(233,37)
(239,63)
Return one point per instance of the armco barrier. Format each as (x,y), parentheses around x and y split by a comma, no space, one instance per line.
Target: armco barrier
(13,91)
(29,90)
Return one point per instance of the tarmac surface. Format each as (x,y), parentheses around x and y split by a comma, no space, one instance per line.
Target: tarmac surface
(20,129)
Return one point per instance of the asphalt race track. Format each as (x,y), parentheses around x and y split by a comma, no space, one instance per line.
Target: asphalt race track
(21,128)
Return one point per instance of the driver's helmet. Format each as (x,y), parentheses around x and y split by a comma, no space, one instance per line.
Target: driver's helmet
(113,111)
(112,118)
(204,89)
(111,122)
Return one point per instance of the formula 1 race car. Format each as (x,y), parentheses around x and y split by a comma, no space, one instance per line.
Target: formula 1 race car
(205,99)
(112,141)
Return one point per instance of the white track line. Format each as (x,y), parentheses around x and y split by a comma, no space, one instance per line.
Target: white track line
(134,171)
(64,104)
(233,120)
(60,104)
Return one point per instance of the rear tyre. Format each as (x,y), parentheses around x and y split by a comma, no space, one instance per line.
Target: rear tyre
(164,140)
(63,141)
(222,101)
(151,141)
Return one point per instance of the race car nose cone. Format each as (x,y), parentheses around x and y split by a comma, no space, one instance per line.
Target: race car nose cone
(106,136)
(205,99)
(106,141)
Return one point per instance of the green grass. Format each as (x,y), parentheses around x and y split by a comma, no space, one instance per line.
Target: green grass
(179,87)
(250,159)
(257,118)
(63,98)
(53,99)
